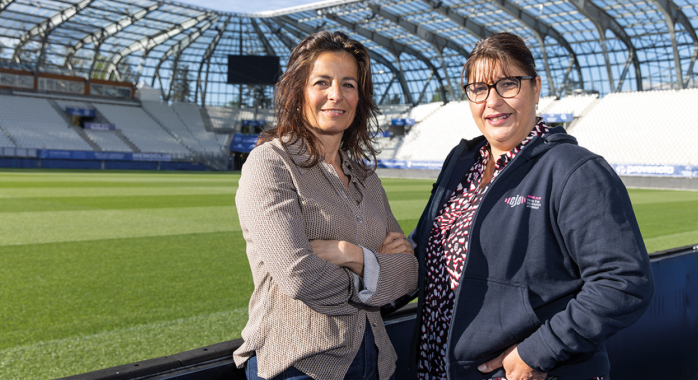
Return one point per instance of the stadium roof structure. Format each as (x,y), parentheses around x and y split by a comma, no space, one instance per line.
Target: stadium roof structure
(418,47)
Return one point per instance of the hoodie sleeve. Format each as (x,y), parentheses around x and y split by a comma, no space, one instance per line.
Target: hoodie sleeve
(599,229)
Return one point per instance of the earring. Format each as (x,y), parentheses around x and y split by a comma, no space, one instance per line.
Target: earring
(536,106)
(298,108)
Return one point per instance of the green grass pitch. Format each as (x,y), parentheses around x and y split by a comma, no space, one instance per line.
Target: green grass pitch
(102,268)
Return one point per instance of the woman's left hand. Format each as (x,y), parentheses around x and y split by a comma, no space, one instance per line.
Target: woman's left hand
(515,368)
(340,253)
(395,242)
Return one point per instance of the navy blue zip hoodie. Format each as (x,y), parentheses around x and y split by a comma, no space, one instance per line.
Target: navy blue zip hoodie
(556,263)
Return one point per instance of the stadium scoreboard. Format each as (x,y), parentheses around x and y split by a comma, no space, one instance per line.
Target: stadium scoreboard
(253,69)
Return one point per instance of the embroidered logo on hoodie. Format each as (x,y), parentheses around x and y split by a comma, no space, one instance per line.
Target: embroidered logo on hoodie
(530,201)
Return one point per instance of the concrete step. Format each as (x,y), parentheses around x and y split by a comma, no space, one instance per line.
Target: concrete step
(9,136)
(87,138)
(208,124)
(126,141)
(167,130)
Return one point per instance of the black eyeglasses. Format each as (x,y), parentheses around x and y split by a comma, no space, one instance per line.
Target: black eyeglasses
(508,87)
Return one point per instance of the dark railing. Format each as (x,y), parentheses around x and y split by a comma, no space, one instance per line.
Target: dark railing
(663,344)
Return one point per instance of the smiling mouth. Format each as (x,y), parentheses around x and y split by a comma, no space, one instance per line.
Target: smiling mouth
(334,112)
(499,117)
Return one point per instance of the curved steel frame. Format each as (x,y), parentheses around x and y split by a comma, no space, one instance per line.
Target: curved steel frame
(5,3)
(102,34)
(45,28)
(396,48)
(675,15)
(207,60)
(541,30)
(397,26)
(603,22)
(177,50)
(377,57)
(438,42)
(146,44)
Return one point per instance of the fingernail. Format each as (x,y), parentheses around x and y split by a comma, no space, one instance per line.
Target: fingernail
(482,368)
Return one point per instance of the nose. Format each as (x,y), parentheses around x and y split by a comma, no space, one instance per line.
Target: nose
(493,99)
(334,92)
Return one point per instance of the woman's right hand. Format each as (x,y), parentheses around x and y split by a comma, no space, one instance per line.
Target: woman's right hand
(395,242)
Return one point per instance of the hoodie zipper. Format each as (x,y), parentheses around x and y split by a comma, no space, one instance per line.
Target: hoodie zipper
(467,258)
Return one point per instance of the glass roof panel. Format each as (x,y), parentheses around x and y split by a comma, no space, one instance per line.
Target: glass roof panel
(157,28)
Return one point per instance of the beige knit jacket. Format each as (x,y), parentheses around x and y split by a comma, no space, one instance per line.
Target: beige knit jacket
(305,312)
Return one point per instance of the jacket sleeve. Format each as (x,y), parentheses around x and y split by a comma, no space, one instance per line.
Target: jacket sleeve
(271,221)
(397,274)
(599,230)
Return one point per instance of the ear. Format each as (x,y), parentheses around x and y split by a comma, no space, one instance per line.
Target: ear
(538,83)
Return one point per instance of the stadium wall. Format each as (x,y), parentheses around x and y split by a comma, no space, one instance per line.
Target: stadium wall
(55,159)
(63,84)
(37,163)
(670,183)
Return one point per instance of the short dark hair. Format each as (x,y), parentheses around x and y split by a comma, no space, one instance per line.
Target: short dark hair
(289,99)
(504,49)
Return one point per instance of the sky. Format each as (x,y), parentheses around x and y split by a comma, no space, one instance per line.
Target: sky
(246,6)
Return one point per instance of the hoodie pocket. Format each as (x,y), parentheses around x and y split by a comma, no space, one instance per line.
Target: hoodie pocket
(489,318)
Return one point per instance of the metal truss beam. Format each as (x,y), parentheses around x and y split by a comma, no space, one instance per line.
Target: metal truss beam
(434,39)
(477,30)
(424,90)
(541,30)
(265,42)
(290,45)
(438,42)
(4,4)
(207,59)
(393,46)
(603,22)
(375,56)
(102,34)
(396,72)
(675,15)
(387,89)
(45,28)
(146,44)
(177,49)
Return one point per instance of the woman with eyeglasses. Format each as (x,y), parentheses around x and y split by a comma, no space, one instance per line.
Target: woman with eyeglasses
(530,255)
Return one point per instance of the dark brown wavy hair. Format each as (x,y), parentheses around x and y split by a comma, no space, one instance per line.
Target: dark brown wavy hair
(290,94)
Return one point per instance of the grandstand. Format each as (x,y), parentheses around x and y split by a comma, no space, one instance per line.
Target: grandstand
(620,126)
(437,133)
(140,128)
(642,127)
(599,61)
(34,123)
(544,102)
(575,104)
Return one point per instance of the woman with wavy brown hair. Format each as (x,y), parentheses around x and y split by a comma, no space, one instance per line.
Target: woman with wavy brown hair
(324,248)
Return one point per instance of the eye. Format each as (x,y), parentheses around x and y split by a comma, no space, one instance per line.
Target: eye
(477,88)
(349,85)
(321,82)
(508,83)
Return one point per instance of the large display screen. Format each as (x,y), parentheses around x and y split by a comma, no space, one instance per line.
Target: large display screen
(253,69)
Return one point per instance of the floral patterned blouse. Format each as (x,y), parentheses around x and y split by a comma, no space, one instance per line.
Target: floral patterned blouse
(445,256)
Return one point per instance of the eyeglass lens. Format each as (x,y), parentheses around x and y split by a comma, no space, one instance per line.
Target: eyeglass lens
(506,88)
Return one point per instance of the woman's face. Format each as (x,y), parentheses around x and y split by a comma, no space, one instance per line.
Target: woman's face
(505,122)
(331,93)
